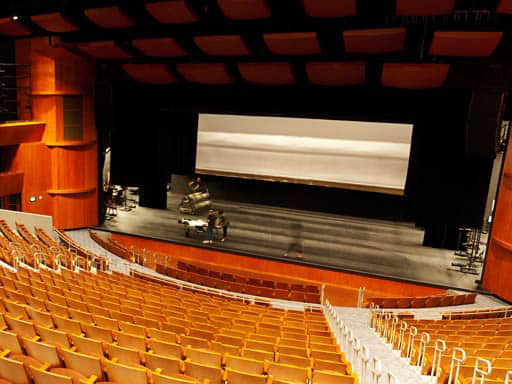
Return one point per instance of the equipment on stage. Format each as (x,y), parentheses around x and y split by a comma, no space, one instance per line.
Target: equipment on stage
(193,226)
(195,202)
(196,227)
(470,251)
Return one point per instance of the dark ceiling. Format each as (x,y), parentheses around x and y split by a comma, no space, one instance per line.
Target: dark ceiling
(325,42)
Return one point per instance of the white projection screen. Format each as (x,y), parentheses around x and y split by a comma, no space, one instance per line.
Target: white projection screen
(344,154)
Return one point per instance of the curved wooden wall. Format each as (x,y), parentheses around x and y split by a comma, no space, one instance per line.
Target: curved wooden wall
(62,174)
(498,267)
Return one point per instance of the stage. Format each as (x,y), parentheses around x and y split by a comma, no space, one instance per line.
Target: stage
(367,246)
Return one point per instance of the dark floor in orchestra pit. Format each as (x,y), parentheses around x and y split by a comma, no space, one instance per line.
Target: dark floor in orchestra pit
(375,247)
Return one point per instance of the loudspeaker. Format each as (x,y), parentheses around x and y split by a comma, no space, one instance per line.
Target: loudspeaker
(484,122)
(72,117)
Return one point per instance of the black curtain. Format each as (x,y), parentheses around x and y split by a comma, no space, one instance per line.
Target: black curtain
(156,131)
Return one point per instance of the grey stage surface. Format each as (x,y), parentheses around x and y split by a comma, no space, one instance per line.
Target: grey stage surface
(352,244)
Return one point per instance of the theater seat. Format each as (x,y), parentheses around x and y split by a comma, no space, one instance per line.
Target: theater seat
(42,352)
(46,377)
(165,365)
(126,356)
(166,349)
(88,346)
(27,361)
(321,377)
(237,377)
(11,342)
(13,371)
(204,372)
(203,357)
(76,377)
(283,373)
(120,373)
(242,364)
(84,365)
(225,348)
(164,379)
(52,336)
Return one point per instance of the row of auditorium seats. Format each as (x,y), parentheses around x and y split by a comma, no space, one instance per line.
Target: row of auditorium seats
(282,290)
(187,272)
(48,250)
(490,339)
(101,262)
(422,302)
(26,247)
(479,314)
(111,247)
(208,277)
(67,327)
(133,255)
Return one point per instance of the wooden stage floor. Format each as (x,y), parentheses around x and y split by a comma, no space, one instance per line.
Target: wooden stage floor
(374,247)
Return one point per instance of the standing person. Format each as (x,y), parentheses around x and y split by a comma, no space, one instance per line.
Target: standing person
(224,223)
(209,229)
(296,247)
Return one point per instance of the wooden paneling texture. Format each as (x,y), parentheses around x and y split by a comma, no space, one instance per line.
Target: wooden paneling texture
(34,161)
(11,183)
(498,267)
(21,132)
(341,287)
(69,172)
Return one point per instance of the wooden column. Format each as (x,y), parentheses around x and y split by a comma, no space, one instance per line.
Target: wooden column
(498,270)
(64,172)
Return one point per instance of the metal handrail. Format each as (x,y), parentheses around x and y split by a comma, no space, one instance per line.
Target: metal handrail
(477,312)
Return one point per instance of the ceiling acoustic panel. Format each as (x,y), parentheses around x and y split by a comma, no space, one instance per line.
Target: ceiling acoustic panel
(504,6)
(374,40)
(424,7)
(330,8)
(108,50)
(150,73)
(342,73)
(207,73)
(464,43)
(414,75)
(54,22)
(11,27)
(297,43)
(159,47)
(228,45)
(267,73)
(171,12)
(109,17)
(245,9)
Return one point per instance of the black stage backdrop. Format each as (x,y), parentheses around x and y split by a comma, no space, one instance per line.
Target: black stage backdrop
(154,134)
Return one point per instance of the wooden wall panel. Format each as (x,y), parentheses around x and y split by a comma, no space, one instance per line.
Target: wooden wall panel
(34,161)
(62,173)
(74,210)
(339,284)
(498,268)
(11,183)
(45,108)
(43,74)
(74,77)
(21,132)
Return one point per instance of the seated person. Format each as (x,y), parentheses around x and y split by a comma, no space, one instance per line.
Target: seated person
(196,185)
